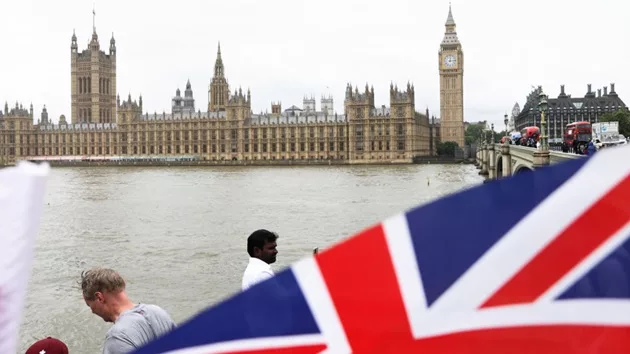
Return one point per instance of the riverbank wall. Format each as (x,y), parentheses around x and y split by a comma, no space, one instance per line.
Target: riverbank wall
(420,161)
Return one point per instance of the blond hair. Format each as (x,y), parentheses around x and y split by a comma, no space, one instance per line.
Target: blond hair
(100,280)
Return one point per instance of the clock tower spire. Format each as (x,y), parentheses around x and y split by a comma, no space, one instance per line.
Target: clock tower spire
(451,68)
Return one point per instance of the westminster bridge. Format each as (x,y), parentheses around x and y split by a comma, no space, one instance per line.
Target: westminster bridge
(503,160)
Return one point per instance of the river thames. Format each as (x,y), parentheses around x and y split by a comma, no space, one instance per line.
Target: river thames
(178,235)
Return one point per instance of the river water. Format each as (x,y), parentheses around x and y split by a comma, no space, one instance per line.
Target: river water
(178,235)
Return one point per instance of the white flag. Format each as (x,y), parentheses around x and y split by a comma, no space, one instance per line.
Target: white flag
(21,201)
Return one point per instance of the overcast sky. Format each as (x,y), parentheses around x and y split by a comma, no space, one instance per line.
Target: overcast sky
(284,49)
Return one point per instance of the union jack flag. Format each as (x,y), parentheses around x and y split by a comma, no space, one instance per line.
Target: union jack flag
(537,263)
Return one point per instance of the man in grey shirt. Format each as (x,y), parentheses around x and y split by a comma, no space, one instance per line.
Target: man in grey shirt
(134,324)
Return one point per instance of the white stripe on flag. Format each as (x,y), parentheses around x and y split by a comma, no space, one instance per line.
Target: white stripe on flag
(252,344)
(314,288)
(606,313)
(408,275)
(529,236)
(21,202)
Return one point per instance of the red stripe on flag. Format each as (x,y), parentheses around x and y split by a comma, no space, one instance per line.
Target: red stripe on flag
(577,241)
(306,349)
(364,289)
(530,340)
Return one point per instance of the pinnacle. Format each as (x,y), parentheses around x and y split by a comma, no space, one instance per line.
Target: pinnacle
(450,21)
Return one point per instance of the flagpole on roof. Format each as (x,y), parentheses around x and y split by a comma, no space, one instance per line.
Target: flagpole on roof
(94,17)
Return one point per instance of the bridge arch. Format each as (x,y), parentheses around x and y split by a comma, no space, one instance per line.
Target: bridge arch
(520,168)
(499,166)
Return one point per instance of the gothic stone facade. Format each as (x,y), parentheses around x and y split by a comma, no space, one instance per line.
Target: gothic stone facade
(366,135)
(566,109)
(104,127)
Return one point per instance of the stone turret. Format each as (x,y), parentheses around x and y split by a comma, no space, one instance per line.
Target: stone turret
(186,104)
(402,102)
(397,96)
(359,105)
(309,104)
(239,104)
(43,120)
(128,111)
(276,108)
(328,105)
(367,97)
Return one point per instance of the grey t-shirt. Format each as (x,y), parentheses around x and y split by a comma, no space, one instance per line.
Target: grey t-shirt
(136,327)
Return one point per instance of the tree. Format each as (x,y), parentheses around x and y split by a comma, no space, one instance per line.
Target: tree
(474,132)
(446,148)
(622,116)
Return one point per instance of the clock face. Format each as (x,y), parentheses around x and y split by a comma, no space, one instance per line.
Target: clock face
(450,61)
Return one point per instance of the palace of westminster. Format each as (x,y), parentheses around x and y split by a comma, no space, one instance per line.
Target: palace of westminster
(102,126)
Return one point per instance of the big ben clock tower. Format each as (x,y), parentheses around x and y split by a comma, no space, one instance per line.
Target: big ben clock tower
(451,64)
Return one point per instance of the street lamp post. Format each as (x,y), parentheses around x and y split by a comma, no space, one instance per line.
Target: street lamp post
(542,106)
(505,120)
(492,127)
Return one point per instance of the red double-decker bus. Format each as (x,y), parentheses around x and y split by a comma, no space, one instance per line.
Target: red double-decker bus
(577,135)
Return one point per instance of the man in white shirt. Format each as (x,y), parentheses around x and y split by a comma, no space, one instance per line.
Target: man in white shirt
(261,247)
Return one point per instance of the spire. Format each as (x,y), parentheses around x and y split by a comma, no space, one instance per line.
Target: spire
(73,45)
(218,65)
(112,45)
(450,21)
(450,35)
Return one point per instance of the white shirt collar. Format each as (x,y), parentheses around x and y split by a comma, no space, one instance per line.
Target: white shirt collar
(258,264)
(256,271)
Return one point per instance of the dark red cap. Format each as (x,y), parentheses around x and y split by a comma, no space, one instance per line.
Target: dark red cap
(48,346)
